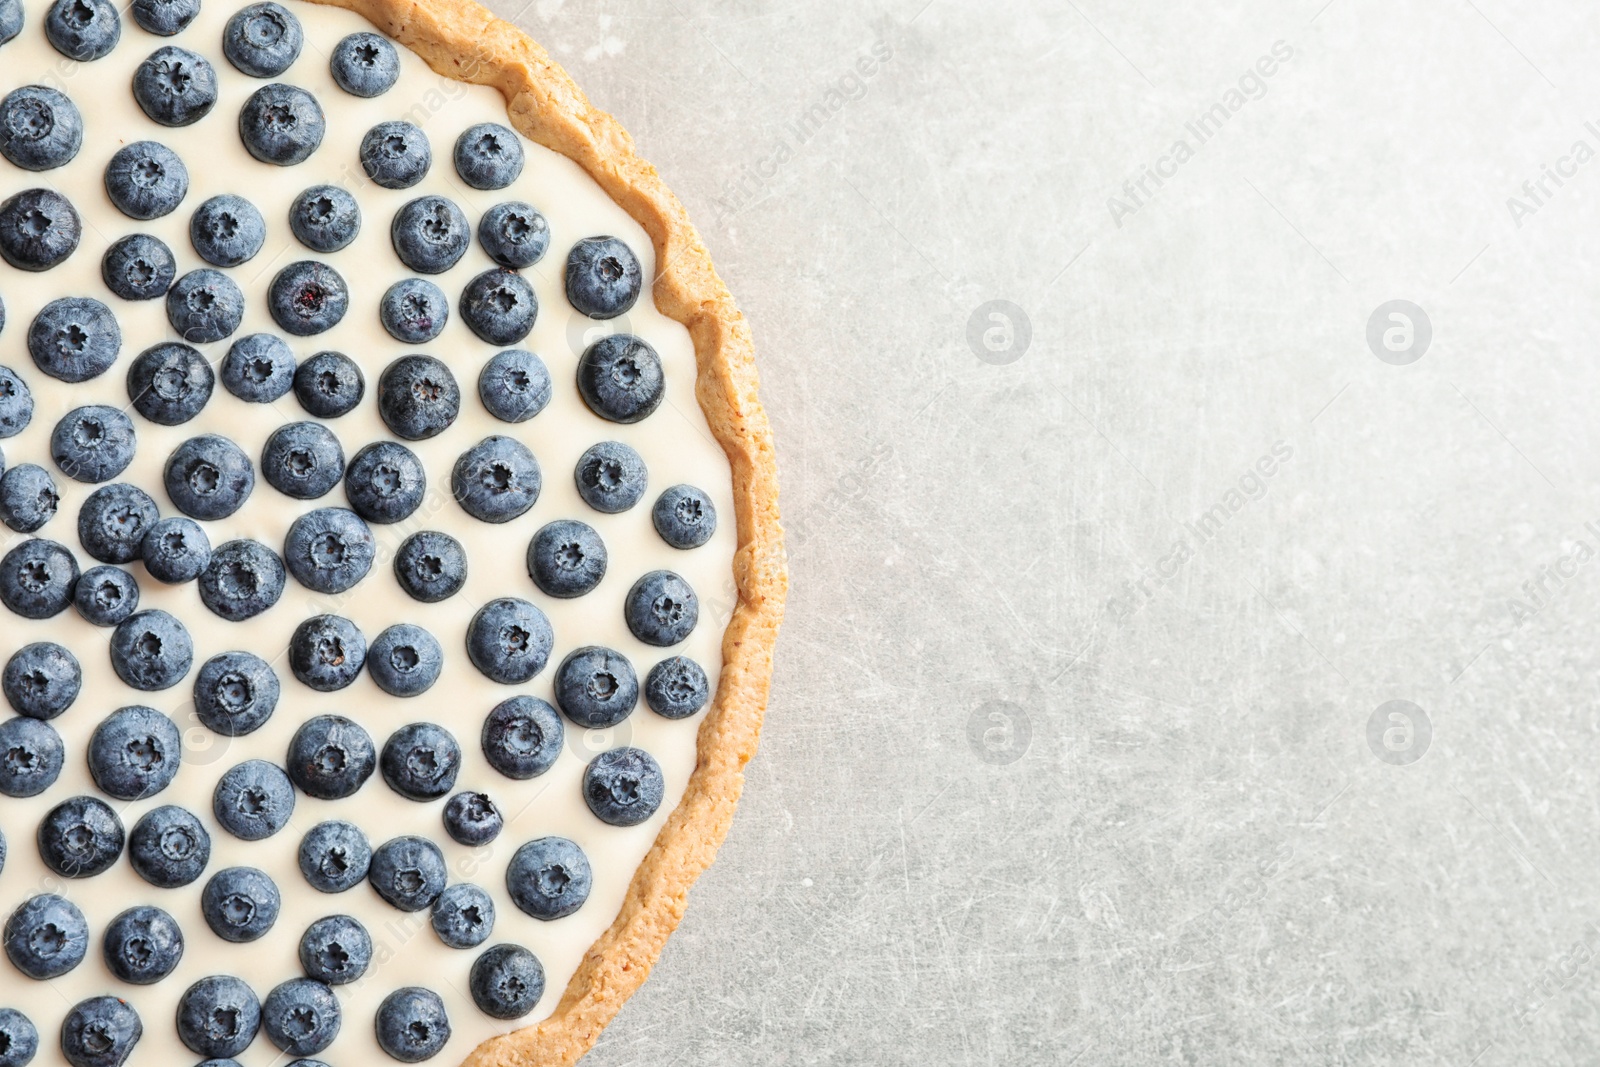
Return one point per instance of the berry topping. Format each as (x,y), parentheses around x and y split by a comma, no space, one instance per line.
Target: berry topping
(430,566)
(175,86)
(549,878)
(522,737)
(603,277)
(365,64)
(253,801)
(262,40)
(146,180)
(623,787)
(463,916)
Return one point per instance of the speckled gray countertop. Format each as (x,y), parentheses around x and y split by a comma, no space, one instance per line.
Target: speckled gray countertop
(1083,744)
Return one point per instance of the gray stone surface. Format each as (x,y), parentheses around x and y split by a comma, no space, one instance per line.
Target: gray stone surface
(1057,768)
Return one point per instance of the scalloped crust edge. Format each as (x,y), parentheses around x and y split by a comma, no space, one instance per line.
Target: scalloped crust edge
(460,39)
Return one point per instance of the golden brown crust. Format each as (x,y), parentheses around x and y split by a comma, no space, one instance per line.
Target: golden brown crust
(462,40)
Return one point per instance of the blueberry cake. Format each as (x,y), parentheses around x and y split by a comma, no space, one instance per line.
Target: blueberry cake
(390,561)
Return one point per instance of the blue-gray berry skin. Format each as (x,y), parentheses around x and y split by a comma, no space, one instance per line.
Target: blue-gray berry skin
(325,218)
(209,477)
(414,311)
(282,125)
(28,498)
(365,65)
(329,385)
(135,753)
(254,800)
(684,516)
(235,693)
(169,847)
(509,640)
(83,30)
(522,737)
(603,277)
(227,230)
(139,267)
(164,18)
(488,156)
(12,19)
(623,787)
(418,397)
(113,521)
(408,872)
(549,878)
(514,386)
(41,680)
(430,234)
(263,40)
(506,982)
(611,477)
(33,756)
(37,578)
(496,480)
(395,155)
(412,1025)
(80,837)
(514,234)
(308,298)
(430,566)
(16,399)
(243,579)
(336,950)
(303,460)
(463,916)
(74,339)
(385,482)
(472,819)
(151,651)
(94,443)
(170,383)
(329,550)
(205,306)
(676,688)
(331,757)
(146,180)
(106,595)
(39,228)
(174,86)
(566,558)
(40,128)
(100,1032)
(405,660)
(596,687)
(661,609)
(620,378)
(499,306)
(218,1016)
(300,1016)
(421,761)
(326,652)
(142,945)
(19,1038)
(175,550)
(259,368)
(334,857)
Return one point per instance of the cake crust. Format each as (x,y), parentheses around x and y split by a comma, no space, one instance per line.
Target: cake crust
(461,40)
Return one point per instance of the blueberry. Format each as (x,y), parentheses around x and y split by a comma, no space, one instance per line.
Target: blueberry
(139,267)
(522,737)
(209,477)
(566,558)
(329,385)
(514,385)
(282,125)
(308,298)
(623,787)
(507,982)
(40,129)
(175,86)
(83,30)
(430,234)
(431,566)
(302,460)
(243,579)
(603,277)
(146,180)
(39,228)
(620,378)
(175,550)
(262,40)
(93,444)
(19,1038)
(418,397)
(151,650)
(169,847)
(472,819)
(218,1016)
(499,306)
(496,480)
(113,521)
(74,339)
(395,155)
(334,857)
(488,156)
(80,838)
(204,306)
(31,757)
(41,680)
(661,609)
(408,872)
(463,916)
(36,578)
(414,311)
(329,550)
(596,687)
(16,401)
(105,596)
(509,640)
(514,234)
(326,652)
(253,801)
(100,1031)
(227,230)
(164,18)
(611,477)
(405,660)
(46,937)
(300,1016)
(235,693)
(676,688)
(549,878)
(684,517)
(412,1025)
(365,65)
(421,761)
(331,757)
(336,950)
(169,383)
(259,368)
(142,945)
(12,19)
(28,497)
(385,482)
(135,753)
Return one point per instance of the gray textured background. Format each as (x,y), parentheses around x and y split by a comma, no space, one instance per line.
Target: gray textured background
(1049,777)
